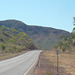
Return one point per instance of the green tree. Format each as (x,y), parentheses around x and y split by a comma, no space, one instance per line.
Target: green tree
(15,37)
(3,46)
(60,44)
(11,40)
(14,30)
(69,40)
(4,28)
(73,35)
(23,34)
(63,37)
(64,47)
(11,50)
(56,46)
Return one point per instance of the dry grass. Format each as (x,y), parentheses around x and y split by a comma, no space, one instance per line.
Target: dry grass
(66,61)
(10,55)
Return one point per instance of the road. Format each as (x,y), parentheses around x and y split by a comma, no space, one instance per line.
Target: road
(18,65)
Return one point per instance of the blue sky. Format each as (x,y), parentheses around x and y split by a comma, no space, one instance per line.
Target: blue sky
(49,13)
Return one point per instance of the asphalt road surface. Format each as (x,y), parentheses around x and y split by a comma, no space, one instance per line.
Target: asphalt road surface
(18,65)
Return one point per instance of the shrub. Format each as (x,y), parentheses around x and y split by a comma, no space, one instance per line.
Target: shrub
(48,73)
(11,40)
(3,46)
(11,50)
(19,50)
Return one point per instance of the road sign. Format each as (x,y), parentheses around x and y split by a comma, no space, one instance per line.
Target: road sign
(57,51)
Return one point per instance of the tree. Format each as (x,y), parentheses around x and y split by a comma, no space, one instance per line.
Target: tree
(60,44)
(14,31)
(56,46)
(73,31)
(73,35)
(67,43)
(4,28)
(23,34)
(69,40)
(11,40)
(3,46)
(63,48)
(63,37)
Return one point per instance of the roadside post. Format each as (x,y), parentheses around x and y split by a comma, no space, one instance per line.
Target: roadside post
(57,52)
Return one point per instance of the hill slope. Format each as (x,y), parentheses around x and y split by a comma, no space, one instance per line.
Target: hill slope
(12,41)
(43,37)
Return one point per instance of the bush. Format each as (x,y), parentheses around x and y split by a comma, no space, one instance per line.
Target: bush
(3,46)
(48,73)
(11,50)
(19,50)
(15,47)
(11,40)
(63,48)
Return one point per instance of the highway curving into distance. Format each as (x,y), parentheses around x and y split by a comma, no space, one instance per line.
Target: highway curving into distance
(20,64)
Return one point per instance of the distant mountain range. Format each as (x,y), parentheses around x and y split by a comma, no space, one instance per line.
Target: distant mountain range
(43,37)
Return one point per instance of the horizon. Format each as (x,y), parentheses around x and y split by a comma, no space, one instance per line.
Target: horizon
(34,25)
(50,13)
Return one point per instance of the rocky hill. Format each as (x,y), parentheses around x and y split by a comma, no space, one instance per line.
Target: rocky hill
(43,37)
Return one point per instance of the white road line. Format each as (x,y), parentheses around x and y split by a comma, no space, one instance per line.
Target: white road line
(31,66)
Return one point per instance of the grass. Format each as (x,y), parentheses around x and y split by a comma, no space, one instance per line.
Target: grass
(66,61)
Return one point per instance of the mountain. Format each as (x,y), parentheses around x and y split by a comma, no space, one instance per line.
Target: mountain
(43,37)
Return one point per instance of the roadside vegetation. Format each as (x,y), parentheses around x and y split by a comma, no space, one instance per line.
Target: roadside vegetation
(67,43)
(66,61)
(13,41)
(66,55)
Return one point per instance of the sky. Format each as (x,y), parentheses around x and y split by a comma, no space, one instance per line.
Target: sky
(48,13)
